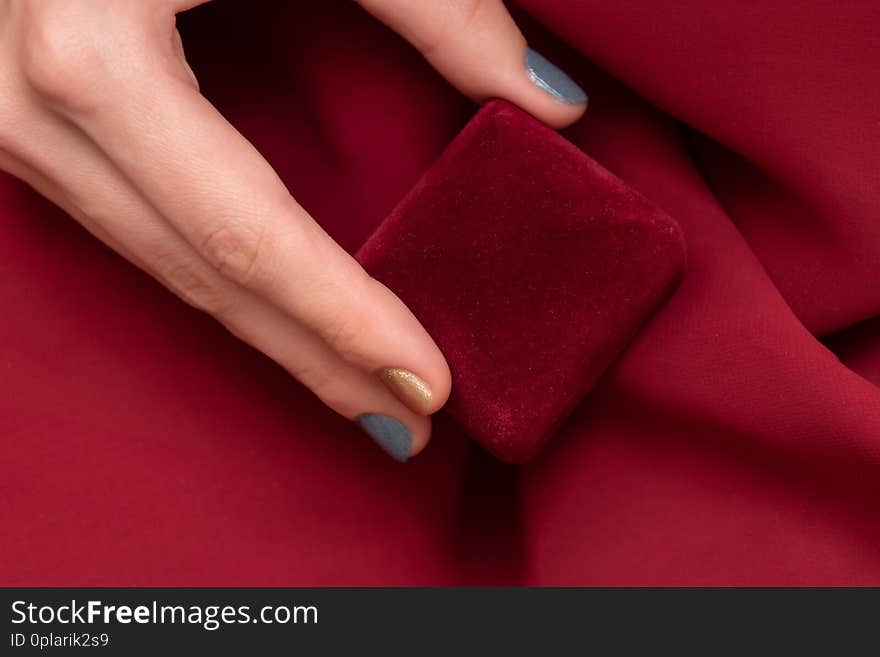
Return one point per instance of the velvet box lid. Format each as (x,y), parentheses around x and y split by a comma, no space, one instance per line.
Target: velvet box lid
(531,266)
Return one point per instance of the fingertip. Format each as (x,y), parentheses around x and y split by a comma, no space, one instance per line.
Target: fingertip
(546,91)
(561,117)
(421,435)
(401,436)
(407,387)
(552,80)
(401,353)
(478,47)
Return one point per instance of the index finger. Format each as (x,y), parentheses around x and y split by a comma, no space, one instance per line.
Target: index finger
(220,194)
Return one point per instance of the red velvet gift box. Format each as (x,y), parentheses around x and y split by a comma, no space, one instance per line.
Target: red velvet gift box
(531,266)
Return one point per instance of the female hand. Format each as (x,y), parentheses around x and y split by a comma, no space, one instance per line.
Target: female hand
(100,113)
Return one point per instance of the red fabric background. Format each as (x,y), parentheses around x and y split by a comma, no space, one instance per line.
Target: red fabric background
(736,442)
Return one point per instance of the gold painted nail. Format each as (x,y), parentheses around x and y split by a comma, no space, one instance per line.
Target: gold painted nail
(409,388)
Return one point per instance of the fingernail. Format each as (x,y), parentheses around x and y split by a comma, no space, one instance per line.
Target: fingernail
(409,388)
(553,80)
(391,435)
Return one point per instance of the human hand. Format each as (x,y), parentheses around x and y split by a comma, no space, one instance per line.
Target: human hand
(100,113)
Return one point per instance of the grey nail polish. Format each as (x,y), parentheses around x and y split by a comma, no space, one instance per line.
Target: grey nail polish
(553,80)
(390,434)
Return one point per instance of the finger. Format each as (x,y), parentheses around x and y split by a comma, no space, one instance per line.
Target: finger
(476,45)
(49,190)
(218,193)
(125,222)
(350,391)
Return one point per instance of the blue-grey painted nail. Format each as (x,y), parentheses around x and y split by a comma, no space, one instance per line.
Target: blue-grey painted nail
(390,434)
(551,79)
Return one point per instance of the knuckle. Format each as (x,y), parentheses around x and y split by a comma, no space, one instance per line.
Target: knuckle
(235,250)
(195,286)
(71,52)
(59,61)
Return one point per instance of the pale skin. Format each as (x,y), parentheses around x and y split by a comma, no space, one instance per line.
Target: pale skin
(101,114)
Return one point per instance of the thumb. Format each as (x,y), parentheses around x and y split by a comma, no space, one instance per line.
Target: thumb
(476,45)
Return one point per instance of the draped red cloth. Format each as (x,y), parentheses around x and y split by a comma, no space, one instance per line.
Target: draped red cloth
(737,441)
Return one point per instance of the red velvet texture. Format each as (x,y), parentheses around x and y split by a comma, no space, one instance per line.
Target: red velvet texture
(735,441)
(531,266)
